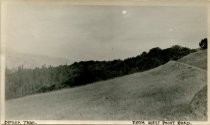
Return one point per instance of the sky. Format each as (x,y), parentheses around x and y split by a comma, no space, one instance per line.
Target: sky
(84,32)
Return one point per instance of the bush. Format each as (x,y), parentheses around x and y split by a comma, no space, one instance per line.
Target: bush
(203,43)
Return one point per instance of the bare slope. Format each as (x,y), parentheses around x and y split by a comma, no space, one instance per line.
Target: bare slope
(163,92)
(198,59)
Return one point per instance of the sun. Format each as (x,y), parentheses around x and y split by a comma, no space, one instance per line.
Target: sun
(170,29)
(124,12)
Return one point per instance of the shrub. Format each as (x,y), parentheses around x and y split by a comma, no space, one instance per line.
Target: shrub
(203,43)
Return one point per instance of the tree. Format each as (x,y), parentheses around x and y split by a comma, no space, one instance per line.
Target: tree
(203,43)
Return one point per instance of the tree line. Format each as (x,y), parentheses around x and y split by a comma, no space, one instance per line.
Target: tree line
(26,81)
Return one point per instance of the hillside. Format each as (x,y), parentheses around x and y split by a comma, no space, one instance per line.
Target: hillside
(198,59)
(161,93)
(199,104)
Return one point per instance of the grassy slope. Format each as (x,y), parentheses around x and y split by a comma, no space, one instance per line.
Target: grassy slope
(198,59)
(163,92)
(199,102)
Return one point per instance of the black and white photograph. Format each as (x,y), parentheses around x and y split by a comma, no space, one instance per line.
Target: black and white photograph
(105,62)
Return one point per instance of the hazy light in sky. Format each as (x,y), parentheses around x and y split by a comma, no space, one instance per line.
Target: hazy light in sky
(101,32)
(171,29)
(124,12)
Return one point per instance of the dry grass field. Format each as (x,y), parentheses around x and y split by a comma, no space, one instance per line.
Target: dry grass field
(198,59)
(165,92)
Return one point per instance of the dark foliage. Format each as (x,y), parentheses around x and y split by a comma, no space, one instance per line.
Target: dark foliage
(203,43)
(29,81)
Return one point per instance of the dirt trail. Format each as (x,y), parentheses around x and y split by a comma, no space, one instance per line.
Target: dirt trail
(190,66)
(197,59)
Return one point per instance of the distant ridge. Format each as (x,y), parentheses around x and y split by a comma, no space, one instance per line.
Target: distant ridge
(15,59)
